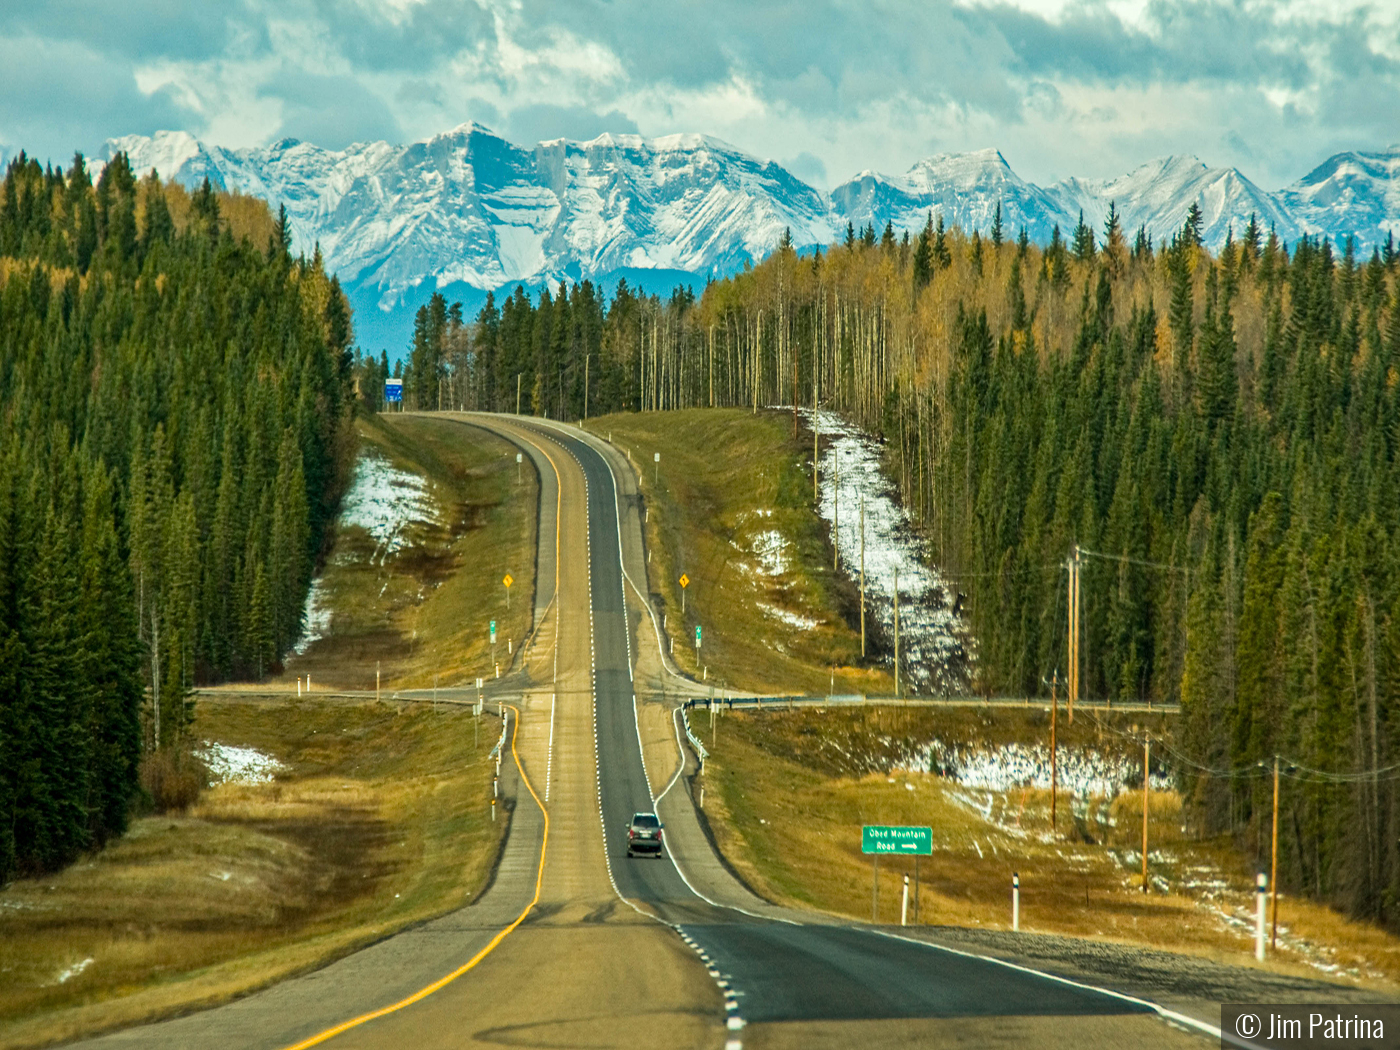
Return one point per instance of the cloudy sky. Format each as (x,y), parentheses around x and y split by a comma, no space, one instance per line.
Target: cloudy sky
(828,87)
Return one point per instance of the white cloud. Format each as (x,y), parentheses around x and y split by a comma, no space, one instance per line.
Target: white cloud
(1089,87)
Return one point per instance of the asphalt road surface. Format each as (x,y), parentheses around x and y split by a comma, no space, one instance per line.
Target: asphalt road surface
(619,952)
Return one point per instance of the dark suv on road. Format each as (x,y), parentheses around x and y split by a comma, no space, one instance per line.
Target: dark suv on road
(644,835)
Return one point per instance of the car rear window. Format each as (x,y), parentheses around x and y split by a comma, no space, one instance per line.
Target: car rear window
(645,820)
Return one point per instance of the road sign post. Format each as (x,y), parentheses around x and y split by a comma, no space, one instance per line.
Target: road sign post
(697,641)
(508,579)
(493,641)
(656,458)
(393,391)
(890,838)
(884,839)
(519,458)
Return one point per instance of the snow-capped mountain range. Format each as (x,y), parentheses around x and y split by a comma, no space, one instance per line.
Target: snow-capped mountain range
(469,211)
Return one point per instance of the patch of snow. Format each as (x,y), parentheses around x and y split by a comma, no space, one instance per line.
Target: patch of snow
(316,616)
(1008,766)
(70,972)
(935,649)
(384,500)
(770,548)
(792,619)
(243,764)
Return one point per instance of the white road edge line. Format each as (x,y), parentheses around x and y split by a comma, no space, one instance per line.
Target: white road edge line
(680,768)
(549,757)
(1162,1011)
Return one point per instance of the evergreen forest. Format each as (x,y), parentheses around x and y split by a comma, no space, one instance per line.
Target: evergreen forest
(174,389)
(1212,436)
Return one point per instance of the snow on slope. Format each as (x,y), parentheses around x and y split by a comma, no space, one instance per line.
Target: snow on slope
(1356,192)
(469,206)
(963,187)
(1159,194)
(934,646)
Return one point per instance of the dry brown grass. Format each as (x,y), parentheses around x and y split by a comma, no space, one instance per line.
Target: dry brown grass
(381,820)
(792,828)
(726,478)
(425,611)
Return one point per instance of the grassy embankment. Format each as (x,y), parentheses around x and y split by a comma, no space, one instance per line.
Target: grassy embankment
(733,511)
(786,808)
(426,610)
(788,793)
(379,819)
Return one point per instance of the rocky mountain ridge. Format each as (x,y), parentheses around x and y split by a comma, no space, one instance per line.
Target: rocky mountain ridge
(469,211)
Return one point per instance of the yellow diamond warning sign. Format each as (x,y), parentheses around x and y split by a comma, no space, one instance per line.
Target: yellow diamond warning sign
(685,580)
(509,579)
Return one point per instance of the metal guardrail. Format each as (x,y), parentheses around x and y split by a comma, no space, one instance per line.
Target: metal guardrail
(789,703)
(700,751)
(501,743)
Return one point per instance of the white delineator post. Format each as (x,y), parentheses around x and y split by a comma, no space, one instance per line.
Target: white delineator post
(1261,883)
(1016,901)
(904,904)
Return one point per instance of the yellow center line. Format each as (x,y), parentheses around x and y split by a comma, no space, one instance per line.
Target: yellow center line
(444,981)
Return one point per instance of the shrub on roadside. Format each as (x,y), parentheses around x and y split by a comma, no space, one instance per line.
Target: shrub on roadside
(172,778)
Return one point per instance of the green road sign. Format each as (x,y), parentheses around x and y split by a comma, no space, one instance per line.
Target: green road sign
(697,636)
(889,838)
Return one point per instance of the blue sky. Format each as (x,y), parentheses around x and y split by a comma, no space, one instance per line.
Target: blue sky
(1061,87)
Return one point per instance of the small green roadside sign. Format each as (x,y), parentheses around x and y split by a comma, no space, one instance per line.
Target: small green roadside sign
(891,838)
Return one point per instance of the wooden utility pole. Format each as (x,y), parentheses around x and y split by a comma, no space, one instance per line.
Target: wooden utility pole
(1273,866)
(517,393)
(1073,566)
(1146,781)
(1054,768)
(585,385)
(862,577)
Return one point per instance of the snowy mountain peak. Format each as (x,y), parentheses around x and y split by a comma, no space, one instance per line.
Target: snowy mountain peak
(469,208)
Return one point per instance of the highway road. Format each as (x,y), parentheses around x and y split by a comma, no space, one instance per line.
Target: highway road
(575,945)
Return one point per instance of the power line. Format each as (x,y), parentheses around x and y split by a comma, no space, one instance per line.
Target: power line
(1136,561)
(1290,768)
